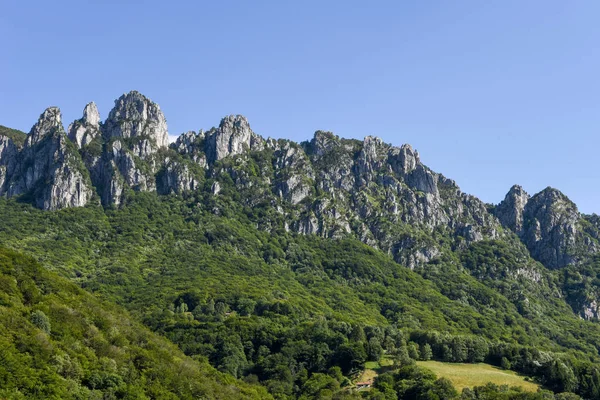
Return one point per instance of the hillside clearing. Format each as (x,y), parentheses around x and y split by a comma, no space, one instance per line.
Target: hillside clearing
(470,375)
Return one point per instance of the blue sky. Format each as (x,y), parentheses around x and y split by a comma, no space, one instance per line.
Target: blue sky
(491,93)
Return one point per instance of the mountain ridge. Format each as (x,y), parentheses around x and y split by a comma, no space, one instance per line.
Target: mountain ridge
(130,151)
(329,186)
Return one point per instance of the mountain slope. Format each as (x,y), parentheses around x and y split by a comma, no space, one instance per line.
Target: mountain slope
(57,341)
(253,302)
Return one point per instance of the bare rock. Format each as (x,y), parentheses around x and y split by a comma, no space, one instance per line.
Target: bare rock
(83,131)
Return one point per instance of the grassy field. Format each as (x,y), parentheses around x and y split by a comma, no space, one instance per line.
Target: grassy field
(374,368)
(470,375)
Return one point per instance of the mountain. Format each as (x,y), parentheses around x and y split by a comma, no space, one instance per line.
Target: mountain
(279,262)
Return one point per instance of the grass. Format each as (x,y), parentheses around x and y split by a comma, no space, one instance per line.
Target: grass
(374,368)
(470,375)
(367,375)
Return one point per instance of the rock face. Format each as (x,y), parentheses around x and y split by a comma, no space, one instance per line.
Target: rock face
(294,176)
(334,187)
(125,155)
(8,160)
(47,169)
(510,210)
(550,228)
(176,177)
(232,137)
(549,224)
(136,117)
(83,131)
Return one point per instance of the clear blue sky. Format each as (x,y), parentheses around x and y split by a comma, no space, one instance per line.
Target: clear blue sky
(491,93)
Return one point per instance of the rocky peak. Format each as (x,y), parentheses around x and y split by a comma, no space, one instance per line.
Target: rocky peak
(551,195)
(91,116)
(404,160)
(371,158)
(49,121)
(136,116)
(86,129)
(323,142)
(232,137)
(510,210)
(47,169)
(549,224)
(374,150)
(550,228)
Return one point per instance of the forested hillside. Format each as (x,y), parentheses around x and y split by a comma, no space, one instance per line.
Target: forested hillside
(278,308)
(59,342)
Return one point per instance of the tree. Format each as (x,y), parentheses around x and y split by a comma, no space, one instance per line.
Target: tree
(220,308)
(413,351)
(443,390)
(209,308)
(459,349)
(374,349)
(351,356)
(566,396)
(319,386)
(246,306)
(401,356)
(426,352)
(358,334)
(182,308)
(40,320)
(336,373)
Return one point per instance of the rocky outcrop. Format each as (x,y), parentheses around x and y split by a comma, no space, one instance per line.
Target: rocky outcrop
(403,159)
(191,145)
(138,120)
(83,131)
(232,137)
(294,176)
(372,158)
(550,228)
(176,177)
(8,160)
(126,154)
(591,310)
(510,210)
(549,224)
(48,169)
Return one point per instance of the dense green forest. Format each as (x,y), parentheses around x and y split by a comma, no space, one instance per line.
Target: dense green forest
(299,315)
(59,342)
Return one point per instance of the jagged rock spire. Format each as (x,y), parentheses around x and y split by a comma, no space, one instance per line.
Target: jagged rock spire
(510,210)
(86,129)
(232,137)
(91,114)
(48,168)
(49,121)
